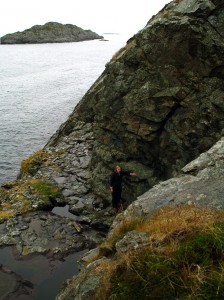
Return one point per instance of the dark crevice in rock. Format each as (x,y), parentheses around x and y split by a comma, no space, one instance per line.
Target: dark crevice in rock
(216,30)
(217,72)
(168,117)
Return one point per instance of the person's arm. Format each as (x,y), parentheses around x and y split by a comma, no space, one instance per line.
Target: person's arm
(126,173)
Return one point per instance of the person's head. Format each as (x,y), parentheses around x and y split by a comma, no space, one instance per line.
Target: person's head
(118,169)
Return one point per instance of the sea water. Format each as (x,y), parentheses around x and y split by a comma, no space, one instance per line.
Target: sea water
(39,87)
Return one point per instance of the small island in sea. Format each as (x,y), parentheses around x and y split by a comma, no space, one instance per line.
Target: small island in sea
(51,32)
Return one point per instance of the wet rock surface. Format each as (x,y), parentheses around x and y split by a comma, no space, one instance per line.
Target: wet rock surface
(54,237)
(71,171)
(76,225)
(47,233)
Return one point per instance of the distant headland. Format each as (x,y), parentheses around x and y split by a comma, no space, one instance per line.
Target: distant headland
(51,32)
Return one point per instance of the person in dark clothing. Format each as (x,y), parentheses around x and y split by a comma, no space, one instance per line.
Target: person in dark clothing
(116,186)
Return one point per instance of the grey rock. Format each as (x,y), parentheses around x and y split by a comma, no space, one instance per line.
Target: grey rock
(132,241)
(7,240)
(90,256)
(80,189)
(74,200)
(83,291)
(204,189)
(85,219)
(27,250)
(84,174)
(195,7)
(68,193)
(60,180)
(47,233)
(212,157)
(16,232)
(79,289)
(77,209)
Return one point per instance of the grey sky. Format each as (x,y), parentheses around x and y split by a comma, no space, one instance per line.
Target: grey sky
(122,16)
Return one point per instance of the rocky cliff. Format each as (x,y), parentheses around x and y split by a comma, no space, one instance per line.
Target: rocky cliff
(51,32)
(172,234)
(155,108)
(159,102)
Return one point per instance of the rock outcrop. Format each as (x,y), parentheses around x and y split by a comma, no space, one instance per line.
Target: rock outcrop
(51,32)
(157,106)
(201,187)
(159,102)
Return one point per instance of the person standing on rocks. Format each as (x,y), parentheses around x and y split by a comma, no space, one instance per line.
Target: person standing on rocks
(116,186)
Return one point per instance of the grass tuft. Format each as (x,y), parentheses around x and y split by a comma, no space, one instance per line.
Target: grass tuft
(185,259)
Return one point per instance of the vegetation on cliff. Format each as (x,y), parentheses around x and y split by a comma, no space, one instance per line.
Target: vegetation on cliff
(51,32)
(183,258)
(30,193)
(21,196)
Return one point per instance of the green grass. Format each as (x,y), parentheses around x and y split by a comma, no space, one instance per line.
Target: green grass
(184,261)
(48,192)
(195,270)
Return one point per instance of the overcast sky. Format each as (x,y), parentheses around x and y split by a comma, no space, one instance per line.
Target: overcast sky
(120,16)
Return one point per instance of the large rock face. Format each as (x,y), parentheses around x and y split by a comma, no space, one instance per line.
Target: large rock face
(200,187)
(51,32)
(160,101)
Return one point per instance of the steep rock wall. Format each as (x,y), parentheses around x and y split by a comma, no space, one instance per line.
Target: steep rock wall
(159,103)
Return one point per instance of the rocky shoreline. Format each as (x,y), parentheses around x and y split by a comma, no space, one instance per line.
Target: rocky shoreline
(157,106)
(33,229)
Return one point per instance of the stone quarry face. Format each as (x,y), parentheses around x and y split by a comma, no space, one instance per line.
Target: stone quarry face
(160,101)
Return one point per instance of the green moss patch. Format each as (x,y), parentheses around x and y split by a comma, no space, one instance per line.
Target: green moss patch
(32,163)
(46,191)
(26,195)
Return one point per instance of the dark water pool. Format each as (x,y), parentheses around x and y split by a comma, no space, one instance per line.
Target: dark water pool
(63,211)
(47,276)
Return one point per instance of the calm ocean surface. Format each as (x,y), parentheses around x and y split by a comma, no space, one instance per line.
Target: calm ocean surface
(39,87)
